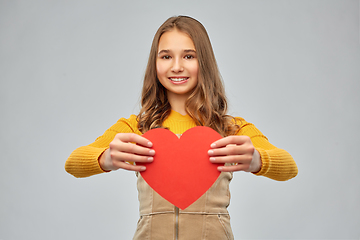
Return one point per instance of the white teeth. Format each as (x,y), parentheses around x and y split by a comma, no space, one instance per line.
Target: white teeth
(178,79)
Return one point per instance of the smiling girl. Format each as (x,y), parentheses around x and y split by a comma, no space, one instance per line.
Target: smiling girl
(183,89)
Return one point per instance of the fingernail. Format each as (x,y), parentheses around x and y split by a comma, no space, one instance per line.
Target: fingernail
(152,151)
(150,144)
(213,145)
(212,159)
(150,159)
(142,168)
(220,168)
(211,152)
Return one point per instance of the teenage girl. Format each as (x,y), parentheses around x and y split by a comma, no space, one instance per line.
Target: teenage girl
(183,89)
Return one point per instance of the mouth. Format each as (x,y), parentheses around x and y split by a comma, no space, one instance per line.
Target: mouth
(178,80)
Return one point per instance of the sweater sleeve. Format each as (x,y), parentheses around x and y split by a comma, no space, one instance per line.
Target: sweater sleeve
(277,163)
(83,161)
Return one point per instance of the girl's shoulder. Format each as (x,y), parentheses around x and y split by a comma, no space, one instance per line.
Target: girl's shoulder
(133,119)
(130,120)
(127,125)
(239,121)
(247,128)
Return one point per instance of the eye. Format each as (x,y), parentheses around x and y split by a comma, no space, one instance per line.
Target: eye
(166,57)
(189,56)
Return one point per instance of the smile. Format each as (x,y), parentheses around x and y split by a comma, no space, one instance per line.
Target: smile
(179,80)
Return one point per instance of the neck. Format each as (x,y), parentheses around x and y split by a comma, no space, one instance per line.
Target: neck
(177,102)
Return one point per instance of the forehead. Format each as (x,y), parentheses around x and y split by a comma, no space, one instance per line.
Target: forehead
(175,40)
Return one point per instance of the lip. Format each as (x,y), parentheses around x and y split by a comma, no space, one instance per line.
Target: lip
(181,80)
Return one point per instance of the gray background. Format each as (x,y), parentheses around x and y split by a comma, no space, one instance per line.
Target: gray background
(70,69)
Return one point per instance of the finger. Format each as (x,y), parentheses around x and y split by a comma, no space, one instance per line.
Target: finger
(130,167)
(132,148)
(129,157)
(240,159)
(134,138)
(238,140)
(229,150)
(234,168)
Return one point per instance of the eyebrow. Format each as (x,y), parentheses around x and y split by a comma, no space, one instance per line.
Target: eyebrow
(168,51)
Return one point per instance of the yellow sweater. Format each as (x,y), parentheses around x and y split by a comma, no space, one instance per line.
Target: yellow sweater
(277,164)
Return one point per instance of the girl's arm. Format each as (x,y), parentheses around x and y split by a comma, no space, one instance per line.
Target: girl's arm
(97,158)
(251,151)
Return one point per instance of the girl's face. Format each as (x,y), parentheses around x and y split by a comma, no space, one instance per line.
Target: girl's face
(176,63)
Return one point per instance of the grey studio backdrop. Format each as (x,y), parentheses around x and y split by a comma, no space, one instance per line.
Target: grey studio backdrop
(71,69)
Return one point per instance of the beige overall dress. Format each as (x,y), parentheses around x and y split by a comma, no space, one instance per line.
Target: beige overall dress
(205,219)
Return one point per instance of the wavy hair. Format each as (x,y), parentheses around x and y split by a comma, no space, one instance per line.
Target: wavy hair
(207,104)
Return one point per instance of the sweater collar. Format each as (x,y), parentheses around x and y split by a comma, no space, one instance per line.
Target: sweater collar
(177,116)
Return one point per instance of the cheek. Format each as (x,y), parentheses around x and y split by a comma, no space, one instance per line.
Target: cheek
(194,70)
(160,69)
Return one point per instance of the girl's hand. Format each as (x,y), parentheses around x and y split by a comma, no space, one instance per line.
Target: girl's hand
(238,150)
(127,147)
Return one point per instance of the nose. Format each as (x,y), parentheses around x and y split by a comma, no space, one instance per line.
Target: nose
(177,66)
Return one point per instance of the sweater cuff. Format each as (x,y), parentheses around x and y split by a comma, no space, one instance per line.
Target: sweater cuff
(84,163)
(277,164)
(265,162)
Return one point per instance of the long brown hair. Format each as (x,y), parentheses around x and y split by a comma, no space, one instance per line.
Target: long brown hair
(207,104)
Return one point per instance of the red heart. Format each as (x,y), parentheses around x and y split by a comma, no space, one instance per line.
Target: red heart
(181,171)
